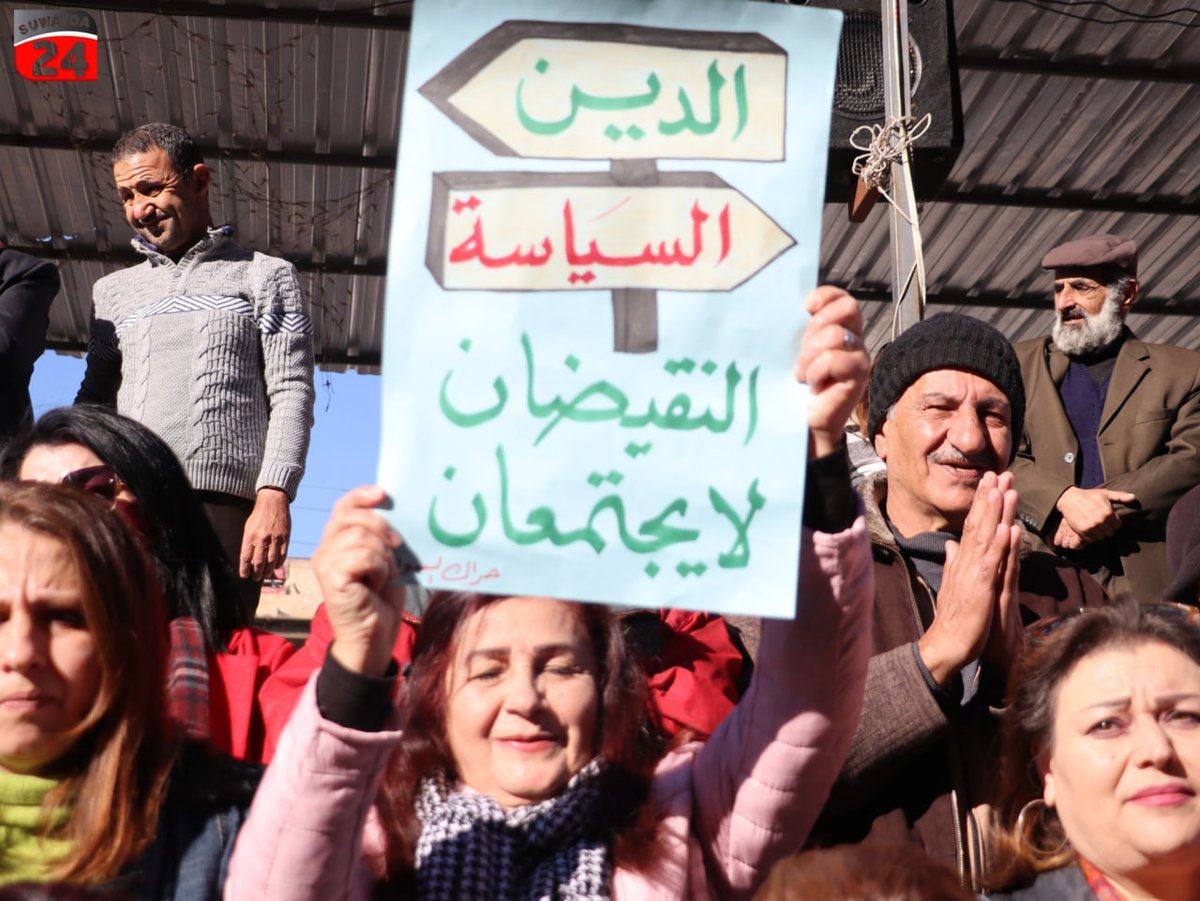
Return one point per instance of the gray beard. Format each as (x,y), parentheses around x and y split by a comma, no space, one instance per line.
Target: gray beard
(1093,333)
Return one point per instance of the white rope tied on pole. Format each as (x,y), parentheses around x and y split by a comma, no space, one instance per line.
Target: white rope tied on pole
(883,145)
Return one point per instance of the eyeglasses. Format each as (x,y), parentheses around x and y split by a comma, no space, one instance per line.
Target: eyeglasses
(98,480)
(1079,286)
(1047,626)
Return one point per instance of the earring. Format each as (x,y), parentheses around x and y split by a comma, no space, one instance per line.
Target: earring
(1030,821)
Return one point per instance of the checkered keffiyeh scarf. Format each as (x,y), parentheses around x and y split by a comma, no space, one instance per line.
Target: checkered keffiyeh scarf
(187,678)
(472,848)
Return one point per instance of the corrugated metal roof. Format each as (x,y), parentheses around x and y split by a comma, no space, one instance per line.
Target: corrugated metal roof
(1078,117)
(300,120)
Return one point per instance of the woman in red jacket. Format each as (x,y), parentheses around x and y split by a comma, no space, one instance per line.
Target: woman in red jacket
(218,662)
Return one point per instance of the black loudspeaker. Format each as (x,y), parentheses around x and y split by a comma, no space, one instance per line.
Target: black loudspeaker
(858,93)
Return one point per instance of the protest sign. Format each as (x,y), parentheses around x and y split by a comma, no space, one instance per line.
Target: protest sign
(604,229)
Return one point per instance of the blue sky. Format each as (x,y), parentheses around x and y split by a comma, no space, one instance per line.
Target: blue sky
(343,453)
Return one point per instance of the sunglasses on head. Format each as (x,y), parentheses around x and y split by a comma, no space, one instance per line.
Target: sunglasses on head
(1047,626)
(98,480)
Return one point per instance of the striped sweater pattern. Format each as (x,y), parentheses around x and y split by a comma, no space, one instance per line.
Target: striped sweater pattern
(215,354)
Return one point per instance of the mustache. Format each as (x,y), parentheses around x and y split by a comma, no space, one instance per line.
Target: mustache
(1072,314)
(953,455)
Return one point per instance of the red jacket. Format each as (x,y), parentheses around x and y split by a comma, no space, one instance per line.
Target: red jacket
(281,691)
(236,678)
(693,681)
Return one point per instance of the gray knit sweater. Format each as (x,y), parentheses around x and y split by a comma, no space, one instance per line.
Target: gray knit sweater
(214,353)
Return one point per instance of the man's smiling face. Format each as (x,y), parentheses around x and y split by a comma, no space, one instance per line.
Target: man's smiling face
(946,430)
(162,206)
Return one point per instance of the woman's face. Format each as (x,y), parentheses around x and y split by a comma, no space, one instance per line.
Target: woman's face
(522,699)
(51,462)
(49,664)
(1123,771)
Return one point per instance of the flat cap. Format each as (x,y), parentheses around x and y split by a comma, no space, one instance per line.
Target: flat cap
(1094,250)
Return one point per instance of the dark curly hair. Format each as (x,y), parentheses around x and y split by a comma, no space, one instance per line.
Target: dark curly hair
(180,146)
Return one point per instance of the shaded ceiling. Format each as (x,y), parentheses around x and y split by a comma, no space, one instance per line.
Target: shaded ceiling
(1079,116)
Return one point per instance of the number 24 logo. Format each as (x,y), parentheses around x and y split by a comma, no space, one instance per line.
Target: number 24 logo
(75,59)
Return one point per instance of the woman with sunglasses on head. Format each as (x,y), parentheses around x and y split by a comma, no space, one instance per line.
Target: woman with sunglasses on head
(520,764)
(96,786)
(1100,773)
(219,662)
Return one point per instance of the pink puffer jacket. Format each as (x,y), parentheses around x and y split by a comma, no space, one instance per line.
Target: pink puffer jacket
(730,808)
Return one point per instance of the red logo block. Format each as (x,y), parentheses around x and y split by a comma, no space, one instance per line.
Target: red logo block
(55,44)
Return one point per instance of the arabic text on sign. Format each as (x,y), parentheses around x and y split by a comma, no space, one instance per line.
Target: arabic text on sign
(604,402)
(575,99)
(607,521)
(599,238)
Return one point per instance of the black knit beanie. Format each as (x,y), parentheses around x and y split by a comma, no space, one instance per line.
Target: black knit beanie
(946,341)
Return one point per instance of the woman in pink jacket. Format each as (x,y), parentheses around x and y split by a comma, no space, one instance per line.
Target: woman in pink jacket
(524,768)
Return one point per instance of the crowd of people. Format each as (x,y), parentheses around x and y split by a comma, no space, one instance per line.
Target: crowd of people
(990,687)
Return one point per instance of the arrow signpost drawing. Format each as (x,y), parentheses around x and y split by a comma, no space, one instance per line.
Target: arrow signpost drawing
(627,94)
(672,165)
(518,231)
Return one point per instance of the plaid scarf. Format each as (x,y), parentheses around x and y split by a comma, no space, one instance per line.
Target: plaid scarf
(187,678)
(472,848)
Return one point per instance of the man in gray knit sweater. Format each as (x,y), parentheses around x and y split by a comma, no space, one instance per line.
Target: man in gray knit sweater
(208,344)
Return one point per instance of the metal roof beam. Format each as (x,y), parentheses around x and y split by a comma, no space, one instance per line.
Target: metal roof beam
(400,19)
(330,358)
(1079,68)
(1002,301)
(980,195)
(1041,199)
(1027,198)
(104,145)
(82,254)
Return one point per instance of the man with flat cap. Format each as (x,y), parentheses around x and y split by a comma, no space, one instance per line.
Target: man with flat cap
(1112,438)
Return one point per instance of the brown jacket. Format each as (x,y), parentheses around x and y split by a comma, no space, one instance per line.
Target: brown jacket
(1149,445)
(917,772)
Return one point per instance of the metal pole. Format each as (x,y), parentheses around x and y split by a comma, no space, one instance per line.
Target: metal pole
(908,281)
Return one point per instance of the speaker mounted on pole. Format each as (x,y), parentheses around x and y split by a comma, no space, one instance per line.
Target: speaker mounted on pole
(858,92)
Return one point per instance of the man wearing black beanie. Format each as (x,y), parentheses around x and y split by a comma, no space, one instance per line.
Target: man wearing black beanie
(953,588)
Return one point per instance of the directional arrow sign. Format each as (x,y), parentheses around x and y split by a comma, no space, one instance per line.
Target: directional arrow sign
(534,455)
(614,92)
(560,232)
